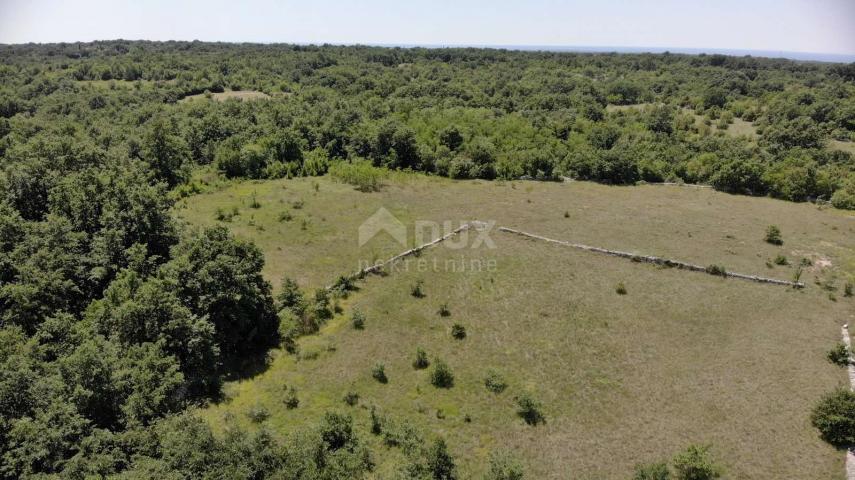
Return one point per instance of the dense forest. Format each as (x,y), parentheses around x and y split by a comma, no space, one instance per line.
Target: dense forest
(115,319)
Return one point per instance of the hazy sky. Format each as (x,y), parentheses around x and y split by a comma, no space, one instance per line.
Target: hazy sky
(826,26)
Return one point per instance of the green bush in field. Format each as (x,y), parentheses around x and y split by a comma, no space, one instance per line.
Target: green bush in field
(458,331)
(351,398)
(717,270)
(620,289)
(839,355)
(421,362)
(258,413)
(530,409)
(291,401)
(834,416)
(361,174)
(441,376)
(358,320)
(495,382)
(653,471)
(503,466)
(773,235)
(781,260)
(379,373)
(695,463)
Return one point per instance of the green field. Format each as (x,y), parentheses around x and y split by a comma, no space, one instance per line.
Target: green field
(624,379)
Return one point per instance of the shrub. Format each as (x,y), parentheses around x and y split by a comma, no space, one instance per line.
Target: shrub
(351,398)
(254,203)
(839,355)
(834,416)
(773,235)
(376,422)
(443,310)
(620,289)
(717,270)
(503,466)
(441,376)
(653,471)
(458,331)
(416,289)
(530,409)
(379,373)
(258,413)
(781,260)
(290,296)
(421,362)
(566,214)
(847,289)
(291,401)
(358,320)
(360,174)
(285,216)
(495,382)
(696,464)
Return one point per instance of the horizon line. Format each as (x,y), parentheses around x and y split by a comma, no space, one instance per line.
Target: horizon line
(798,55)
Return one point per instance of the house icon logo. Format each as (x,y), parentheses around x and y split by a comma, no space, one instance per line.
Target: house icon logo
(382,221)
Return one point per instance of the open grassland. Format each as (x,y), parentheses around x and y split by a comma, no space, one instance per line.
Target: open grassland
(681,358)
(223,96)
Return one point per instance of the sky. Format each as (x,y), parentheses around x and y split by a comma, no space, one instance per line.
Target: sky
(819,26)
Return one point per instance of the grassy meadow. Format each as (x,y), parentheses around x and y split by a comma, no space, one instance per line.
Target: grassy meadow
(680,358)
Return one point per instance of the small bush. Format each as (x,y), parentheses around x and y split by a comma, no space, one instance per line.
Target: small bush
(566,214)
(653,471)
(620,289)
(696,464)
(285,216)
(376,422)
(839,355)
(834,416)
(254,203)
(351,398)
(416,289)
(847,289)
(360,174)
(421,362)
(773,235)
(379,373)
(291,401)
(530,409)
(717,270)
(458,331)
(443,310)
(358,320)
(495,382)
(258,413)
(781,260)
(503,466)
(297,204)
(441,376)
(440,463)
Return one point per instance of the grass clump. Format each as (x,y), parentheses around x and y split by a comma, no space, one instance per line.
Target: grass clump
(358,320)
(718,270)
(652,471)
(258,413)
(495,382)
(254,203)
(847,289)
(620,289)
(226,216)
(781,260)
(351,398)
(773,235)
(458,331)
(443,310)
(379,373)
(441,376)
(416,289)
(838,355)
(530,410)
(285,216)
(291,400)
(421,362)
